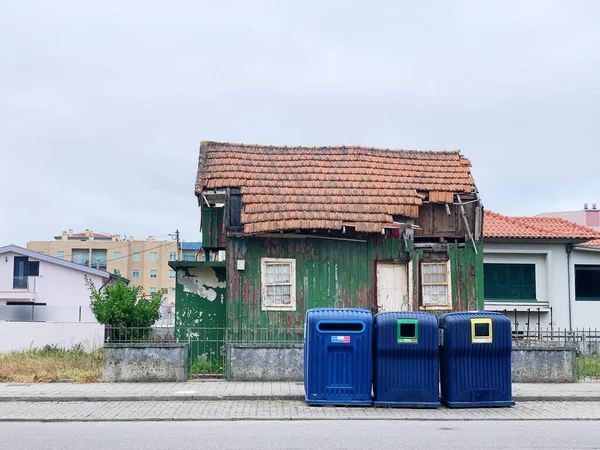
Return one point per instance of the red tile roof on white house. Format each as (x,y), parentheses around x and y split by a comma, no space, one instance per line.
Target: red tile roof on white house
(497,226)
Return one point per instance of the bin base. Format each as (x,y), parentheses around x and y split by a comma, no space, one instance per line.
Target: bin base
(488,404)
(339,403)
(420,405)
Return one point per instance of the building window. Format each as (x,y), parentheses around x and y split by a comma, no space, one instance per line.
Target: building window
(20,272)
(118,272)
(136,257)
(153,274)
(511,282)
(171,274)
(172,256)
(189,257)
(152,290)
(117,256)
(435,283)
(135,274)
(60,255)
(153,256)
(587,282)
(278,278)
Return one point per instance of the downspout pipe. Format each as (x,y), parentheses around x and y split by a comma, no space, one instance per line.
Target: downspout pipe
(569,250)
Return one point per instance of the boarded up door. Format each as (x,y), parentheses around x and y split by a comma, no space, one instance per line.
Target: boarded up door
(392,287)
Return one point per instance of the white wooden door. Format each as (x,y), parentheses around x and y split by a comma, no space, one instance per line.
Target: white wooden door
(392,287)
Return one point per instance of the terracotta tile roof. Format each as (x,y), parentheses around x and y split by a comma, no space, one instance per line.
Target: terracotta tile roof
(592,243)
(322,187)
(504,227)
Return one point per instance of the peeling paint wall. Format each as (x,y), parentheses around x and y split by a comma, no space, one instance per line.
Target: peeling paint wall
(200,306)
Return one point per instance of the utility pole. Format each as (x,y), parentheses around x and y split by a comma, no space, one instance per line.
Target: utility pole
(176,237)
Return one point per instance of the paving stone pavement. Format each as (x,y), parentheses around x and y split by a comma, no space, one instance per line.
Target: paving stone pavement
(277,410)
(227,390)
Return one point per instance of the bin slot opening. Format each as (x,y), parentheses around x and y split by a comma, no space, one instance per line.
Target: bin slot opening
(408,330)
(350,327)
(482,330)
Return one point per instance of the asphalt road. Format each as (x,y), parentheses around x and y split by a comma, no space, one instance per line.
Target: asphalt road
(345,435)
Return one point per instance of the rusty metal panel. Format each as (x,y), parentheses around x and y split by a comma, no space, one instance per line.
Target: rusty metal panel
(213,230)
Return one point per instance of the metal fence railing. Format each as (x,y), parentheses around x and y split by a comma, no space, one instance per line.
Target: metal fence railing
(207,346)
(535,327)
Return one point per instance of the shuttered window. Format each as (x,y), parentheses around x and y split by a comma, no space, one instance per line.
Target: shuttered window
(513,282)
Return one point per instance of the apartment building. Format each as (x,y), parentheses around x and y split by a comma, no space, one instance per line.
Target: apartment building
(144,262)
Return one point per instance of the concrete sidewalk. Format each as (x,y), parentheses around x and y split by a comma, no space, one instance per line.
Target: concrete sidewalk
(211,410)
(215,390)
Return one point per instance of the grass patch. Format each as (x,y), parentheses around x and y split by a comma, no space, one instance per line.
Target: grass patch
(588,366)
(203,367)
(50,364)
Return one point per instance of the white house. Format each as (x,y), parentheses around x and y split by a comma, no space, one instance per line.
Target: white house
(45,301)
(542,271)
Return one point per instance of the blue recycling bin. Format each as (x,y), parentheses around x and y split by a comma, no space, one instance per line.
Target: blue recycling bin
(338,360)
(475,359)
(405,360)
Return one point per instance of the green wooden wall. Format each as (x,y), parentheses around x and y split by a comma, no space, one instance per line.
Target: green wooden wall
(333,273)
(213,230)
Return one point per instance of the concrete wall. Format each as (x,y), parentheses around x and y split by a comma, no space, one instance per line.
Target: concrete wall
(145,362)
(248,362)
(19,336)
(544,364)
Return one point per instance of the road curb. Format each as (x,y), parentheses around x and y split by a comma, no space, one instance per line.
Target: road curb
(199,398)
(298,419)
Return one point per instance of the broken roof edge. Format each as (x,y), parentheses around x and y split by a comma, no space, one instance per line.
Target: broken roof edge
(205,144)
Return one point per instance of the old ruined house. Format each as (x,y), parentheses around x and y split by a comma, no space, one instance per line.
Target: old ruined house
(330,226)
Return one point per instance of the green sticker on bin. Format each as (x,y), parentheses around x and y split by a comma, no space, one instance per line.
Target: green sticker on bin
(408,331)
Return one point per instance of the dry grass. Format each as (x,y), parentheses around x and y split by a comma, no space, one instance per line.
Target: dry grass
(51,364)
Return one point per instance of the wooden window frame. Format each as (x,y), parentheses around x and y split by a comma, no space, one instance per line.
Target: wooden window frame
(264,262)
(448,284)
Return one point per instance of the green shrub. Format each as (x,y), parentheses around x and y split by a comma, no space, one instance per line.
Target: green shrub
(124,306)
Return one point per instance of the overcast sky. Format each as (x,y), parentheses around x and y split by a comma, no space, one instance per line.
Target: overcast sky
(103,104)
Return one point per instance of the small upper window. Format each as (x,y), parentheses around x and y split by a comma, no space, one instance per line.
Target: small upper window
(171,274)
(435,281)
(153,256)
(60,255)
(118,272)
(117,256)
(172,256)
(278,278)
(153,274)
(152,290)
(136,257)
(135,274)
(189,257)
